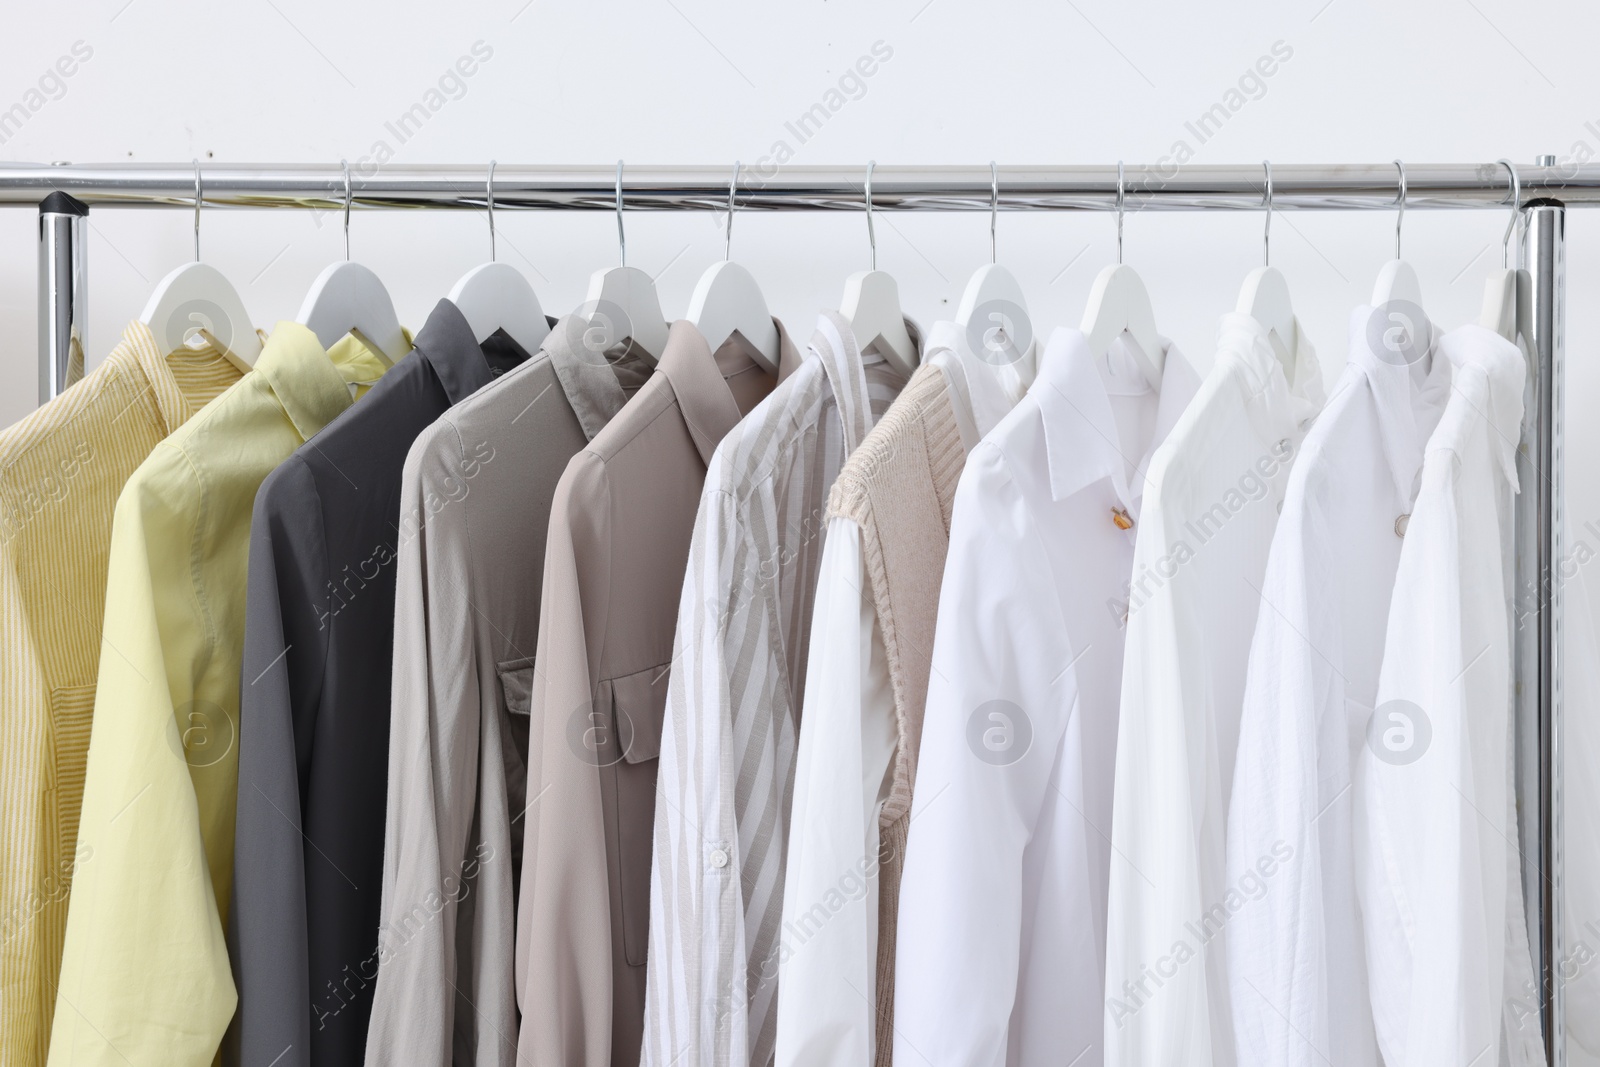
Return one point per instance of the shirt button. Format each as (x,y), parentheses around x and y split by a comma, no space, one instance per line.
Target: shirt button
(1400,525)
(719,858)
(1121,517)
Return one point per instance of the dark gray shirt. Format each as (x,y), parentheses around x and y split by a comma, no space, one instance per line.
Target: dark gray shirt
(314,707)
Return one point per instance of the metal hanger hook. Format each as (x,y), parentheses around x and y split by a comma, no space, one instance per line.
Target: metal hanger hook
(872,238)
(1266,232)
(1516,209)
(1121,192)
(733,187)
(199,193)
(1401,217)
(489,189)
(346,165)
(622,237)
(994,209)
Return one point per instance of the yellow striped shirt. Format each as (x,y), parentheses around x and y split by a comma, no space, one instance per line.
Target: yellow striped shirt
(144,971)
(61,469)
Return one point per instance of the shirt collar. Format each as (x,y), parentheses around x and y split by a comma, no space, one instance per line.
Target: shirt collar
(707,404)
(447,343)
(1475,349)
(311,383)
(141,340)
(593,378)
(1073,390)
(1246,340)
(789,355)
(844,363)
(1409,396)
(172,403)
(981,391)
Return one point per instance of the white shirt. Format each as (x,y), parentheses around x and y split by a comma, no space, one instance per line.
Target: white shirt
(1297,969)
(1002,903)
(1210,508)
(1436,832)
(827,1002)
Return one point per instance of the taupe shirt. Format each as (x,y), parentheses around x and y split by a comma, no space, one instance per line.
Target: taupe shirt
(475,500)
(614,567)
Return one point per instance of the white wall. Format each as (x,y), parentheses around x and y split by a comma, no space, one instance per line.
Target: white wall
(711,81)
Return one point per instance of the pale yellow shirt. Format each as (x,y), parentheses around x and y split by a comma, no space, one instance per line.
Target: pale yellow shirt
(144,973)
(61,469)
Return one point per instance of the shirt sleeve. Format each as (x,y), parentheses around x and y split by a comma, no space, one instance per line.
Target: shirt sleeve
(564,937)
(1435,818)
(1000,715)
(695,993)
(33,895)
(280,677)
(430,864)
(827,968)
(144,974)
(1284,805)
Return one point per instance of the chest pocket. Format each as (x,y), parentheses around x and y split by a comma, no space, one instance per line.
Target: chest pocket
(516,683)
(633,706)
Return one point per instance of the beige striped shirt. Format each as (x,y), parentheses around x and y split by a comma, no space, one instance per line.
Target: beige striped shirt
(733,706)
(61,469)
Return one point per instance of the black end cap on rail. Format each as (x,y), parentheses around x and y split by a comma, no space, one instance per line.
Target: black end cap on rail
(59,203)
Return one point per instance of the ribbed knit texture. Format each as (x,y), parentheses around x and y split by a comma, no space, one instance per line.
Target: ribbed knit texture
(899,487)
(61,469)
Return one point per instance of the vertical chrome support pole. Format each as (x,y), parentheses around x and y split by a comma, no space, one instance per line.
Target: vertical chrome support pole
(1537,639)
(63,291)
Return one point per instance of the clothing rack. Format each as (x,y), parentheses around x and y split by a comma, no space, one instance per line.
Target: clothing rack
(65,193)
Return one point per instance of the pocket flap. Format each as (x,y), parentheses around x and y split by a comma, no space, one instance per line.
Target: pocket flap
(516,685)
(640,703)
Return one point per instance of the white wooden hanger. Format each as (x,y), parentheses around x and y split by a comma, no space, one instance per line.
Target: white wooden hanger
(1118,304)
(495,296)
(871,304)
(207,302)
(1397,281)
(1501,306)
(1397,289)
(349,298)
(1265,295)
(625,293)
(728,300)
(993,289)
